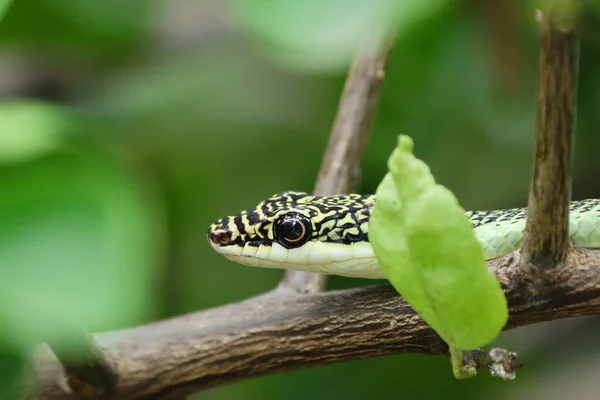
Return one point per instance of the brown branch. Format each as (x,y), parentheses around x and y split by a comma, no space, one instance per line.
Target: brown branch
(352,127)
(545,239)
(87,371)
(349,136)
(278,332)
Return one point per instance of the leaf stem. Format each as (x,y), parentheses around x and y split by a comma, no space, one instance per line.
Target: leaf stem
(460,370)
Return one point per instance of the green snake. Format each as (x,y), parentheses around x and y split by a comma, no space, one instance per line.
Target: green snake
(330,234)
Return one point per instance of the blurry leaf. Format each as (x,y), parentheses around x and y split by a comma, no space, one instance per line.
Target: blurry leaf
(217,86)
(12,365)
(110,27)
(595,4)
(4,5)
(566,14)
(326,33)
(30,129)
(427,248)
(79,241)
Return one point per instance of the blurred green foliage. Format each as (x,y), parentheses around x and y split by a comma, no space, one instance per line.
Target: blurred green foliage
(317,34)
(4,4)
(128,127)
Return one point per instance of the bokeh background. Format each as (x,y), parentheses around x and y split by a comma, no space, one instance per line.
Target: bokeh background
(126,128)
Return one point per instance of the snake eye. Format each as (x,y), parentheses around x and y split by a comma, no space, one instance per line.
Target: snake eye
(292,230)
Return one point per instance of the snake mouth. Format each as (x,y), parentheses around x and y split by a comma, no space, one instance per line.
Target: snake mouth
(312,256)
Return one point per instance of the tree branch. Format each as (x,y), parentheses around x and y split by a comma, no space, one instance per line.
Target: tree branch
(354,121)
(546,236)
(87,371)
(278,332)
(349,136)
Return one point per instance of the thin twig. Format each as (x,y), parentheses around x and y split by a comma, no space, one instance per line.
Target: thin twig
(356,113)
(279,332)
(545,239)
(349,136)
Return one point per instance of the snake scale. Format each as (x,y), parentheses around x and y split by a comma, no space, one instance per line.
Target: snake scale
(330,234)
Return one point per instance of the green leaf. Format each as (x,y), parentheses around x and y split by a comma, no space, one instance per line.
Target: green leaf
(324,34)
(426,246)
(82,29)
(12,367)
(79,239)
(4,6)
(30,129)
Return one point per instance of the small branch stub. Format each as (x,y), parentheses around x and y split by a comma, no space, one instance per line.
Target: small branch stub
(88,373)
(500,362)
(545,239)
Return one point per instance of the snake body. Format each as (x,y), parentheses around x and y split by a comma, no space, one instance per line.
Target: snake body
(330,234)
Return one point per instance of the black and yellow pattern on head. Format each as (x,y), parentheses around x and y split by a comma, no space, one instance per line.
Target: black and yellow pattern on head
(340,219)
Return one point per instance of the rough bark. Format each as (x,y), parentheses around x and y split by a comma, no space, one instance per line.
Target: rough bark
(283,331)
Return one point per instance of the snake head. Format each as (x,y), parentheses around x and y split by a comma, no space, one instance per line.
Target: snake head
(296,230)
(256,226)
